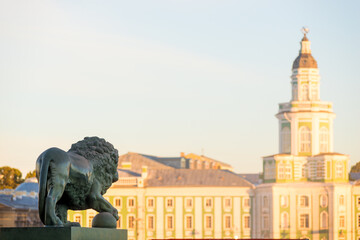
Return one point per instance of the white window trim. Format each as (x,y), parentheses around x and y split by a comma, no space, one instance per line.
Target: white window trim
(243,222)
(282,218)
(192,222)
(286,197)
(212,222)
(127,221)
(147,222)
(128,201)
(309,201)
(326,201)
(327,220)
(192,202)
(121,202)
(227,198)
(147,202)
(166,222)
(243,203)
(344,227)
(304,228)
(224,221)
(166,203)
(212,202)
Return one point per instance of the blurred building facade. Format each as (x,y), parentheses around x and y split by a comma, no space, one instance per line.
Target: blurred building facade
(18,207)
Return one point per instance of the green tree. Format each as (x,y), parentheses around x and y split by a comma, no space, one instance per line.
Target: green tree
(355,168)
(31,174)
(10,177)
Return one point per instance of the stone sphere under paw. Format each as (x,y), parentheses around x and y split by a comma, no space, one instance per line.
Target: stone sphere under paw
(104,220)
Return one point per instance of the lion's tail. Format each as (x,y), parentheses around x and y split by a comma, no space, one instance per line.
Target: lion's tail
(42,169)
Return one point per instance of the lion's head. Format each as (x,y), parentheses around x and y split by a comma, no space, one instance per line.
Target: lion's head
(104,157)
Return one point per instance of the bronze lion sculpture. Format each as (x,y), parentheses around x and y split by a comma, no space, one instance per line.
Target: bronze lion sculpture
(76,180)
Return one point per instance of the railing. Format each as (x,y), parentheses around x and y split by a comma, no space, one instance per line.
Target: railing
(127,181)
(303,106)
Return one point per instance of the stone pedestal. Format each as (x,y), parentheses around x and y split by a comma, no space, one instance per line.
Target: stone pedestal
(62,233)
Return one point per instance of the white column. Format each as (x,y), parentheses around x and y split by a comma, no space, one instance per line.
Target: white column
(160,217)
(179,221)
(217,218)
(237,216)
(198,218)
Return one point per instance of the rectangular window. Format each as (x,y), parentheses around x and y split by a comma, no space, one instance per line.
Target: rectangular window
(150,222)
(288,173)
(208,222)
(342,222)
(117,202)
(281,174)
(227,222)
(208,202)
(150,202)
(246,202)
(358,223)
(188,203)
(304,221)
(227,202)
(77,219)
(170,203)
(246,222)
(169,222)
(304,201)
(358,201)
(118,223)
(339,170)
(131,222)
(189,222)
(265,222)
(131,202)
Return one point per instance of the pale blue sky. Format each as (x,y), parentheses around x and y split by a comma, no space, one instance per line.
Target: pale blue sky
(164,77)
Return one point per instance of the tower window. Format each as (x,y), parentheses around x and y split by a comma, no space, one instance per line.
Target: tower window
(305,139)
(304,92)
(324,140)
(314,92)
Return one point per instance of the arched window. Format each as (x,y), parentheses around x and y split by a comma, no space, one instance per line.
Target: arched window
(284,220)
(285,140)
(323,220)
(305,139)
(323,200)
(284,201)
(304,92)
(324,140)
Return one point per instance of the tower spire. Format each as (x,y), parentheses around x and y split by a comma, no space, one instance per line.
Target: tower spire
(305,59)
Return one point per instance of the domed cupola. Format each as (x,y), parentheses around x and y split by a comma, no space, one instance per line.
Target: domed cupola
(305,59)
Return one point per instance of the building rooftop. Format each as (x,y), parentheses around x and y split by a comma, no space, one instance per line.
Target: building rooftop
(195,178)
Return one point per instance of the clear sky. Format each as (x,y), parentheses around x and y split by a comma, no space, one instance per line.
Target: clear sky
(164,77)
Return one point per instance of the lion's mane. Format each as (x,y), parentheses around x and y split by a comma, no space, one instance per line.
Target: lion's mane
(103,156)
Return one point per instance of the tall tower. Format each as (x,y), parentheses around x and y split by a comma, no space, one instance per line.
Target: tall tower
(306,122)
(305,130)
